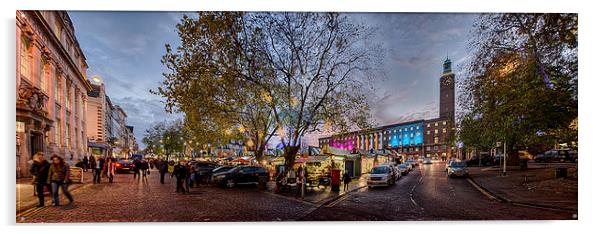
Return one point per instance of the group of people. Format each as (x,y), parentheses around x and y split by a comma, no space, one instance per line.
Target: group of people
(52,175)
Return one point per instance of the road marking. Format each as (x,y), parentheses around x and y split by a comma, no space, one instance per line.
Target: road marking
(487,194)
(414,188)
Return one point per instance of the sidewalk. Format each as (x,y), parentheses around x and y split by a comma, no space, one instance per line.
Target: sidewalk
(321,195)
(25,196)
(541,188)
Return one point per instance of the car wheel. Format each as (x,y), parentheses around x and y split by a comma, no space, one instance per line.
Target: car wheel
(230,183)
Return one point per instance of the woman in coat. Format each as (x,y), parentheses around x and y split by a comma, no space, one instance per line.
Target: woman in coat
(58,177)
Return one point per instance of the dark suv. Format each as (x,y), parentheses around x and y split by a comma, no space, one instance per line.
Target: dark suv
(241,175)
(202,171)
(560,155)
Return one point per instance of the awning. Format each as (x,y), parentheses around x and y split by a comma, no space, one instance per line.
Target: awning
(352,156)
(301,160)
(318,158)
(98,145)
(334,151)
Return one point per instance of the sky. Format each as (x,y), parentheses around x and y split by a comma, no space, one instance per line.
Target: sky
(125,50)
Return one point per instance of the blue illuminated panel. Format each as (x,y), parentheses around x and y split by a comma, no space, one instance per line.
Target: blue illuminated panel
(407,135)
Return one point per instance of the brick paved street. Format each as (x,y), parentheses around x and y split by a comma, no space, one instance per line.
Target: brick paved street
(129,200)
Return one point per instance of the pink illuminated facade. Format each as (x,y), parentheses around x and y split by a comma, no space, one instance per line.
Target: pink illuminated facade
(51,87)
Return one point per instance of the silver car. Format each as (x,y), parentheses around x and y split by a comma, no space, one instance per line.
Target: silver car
(381,176)
(457,169)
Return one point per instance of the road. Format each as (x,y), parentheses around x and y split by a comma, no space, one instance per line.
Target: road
(424,194)
(427,194)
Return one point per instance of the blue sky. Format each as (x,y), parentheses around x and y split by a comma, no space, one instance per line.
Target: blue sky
(125,49)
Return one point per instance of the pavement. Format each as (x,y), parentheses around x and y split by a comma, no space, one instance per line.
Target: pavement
(321,195)
(25,192)
(426,193)
(536,186)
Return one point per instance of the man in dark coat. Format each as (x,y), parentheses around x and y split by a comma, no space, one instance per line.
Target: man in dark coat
(85,162)
(39,171)
(163,167)
(98,167)
(180,172)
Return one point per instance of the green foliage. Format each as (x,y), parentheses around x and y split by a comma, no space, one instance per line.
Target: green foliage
(252,75)
(522,82)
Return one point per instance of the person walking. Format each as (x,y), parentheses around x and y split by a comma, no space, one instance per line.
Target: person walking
(162,170)
(144,168)
(58,177)
(137,166)
(39,171)
(85,162)
(346,181)
(98,167)
(180,173)
(110,169)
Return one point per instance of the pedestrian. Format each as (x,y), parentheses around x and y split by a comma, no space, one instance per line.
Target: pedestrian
(110,169)
(143,169)
(39,171)
(180,173)
(58,177)
(137,165)
(98,166)
(85,162)
(162,170)
(346,181)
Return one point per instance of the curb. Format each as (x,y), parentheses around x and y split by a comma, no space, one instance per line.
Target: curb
(499,198)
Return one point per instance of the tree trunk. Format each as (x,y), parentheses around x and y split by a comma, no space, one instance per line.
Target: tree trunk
(289,156)
(259,154)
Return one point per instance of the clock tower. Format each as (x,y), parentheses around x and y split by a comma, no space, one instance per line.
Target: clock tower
(447,92)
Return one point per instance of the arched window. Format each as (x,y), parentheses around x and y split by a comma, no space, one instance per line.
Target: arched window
(24,58)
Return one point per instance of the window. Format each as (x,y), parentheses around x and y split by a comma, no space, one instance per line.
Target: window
(68,98)
(58,89)
(436,124)
(436,148)
(428,148)
(412,129)
(57,135)
(444,123)
(428,132)
(436,131)
(405,129)
(411,134)
(444,130)
(68,133)
(58,27)
(436,142)
(428,125)
(44,72)
(24,61)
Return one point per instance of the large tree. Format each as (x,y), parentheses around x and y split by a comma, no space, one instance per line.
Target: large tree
(165,138)
(323,64)
(267,73)
(217,80)
(522,81)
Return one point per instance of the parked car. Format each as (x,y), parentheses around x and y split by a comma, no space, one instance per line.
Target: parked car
(413,162)
(560,155)
(241,175)
(396,173)
(421,159)
(124,166)
(403,169)
(203,171)
(409,165)
(219,170)
(457,168)
(381,175)
(481,160)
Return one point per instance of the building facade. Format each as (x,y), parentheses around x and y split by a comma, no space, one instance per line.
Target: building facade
(431,137)
(98,114)
(51,87)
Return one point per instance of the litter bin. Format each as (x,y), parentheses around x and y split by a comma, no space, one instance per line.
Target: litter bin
(523,164)
(561,172)
(263,183)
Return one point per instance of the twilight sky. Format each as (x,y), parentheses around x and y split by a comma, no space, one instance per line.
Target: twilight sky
(125,49)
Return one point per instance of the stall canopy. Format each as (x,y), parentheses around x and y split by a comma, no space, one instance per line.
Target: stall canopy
(318,158)
(334,151)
